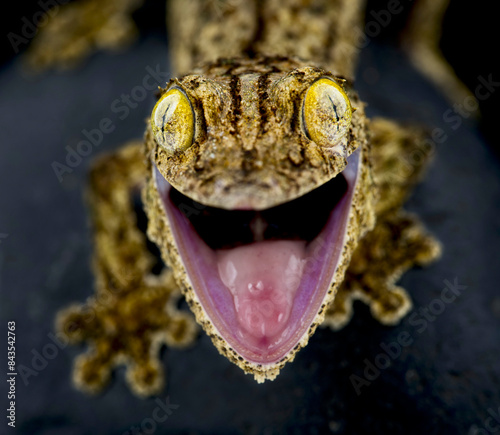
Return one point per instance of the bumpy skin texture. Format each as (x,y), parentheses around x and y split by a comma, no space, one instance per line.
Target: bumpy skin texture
(133,311)
(86,25)
(322,31)
(398,241)
(237,166)
(251,143)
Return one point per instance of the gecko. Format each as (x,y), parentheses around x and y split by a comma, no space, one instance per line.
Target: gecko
(273,200)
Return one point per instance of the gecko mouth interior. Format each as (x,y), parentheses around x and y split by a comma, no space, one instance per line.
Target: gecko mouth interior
(300,219)
(261,276)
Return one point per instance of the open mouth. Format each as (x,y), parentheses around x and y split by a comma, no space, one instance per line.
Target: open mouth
(262,277)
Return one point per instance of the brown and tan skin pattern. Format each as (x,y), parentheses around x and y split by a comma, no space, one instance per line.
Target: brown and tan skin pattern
(255,146)
(251,143)
(316,30)
(235,163)
(86,25)
(360,219)
(133,312)
(398,241)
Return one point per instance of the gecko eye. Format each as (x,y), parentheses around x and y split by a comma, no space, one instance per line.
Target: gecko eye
(172,121)
(326,113)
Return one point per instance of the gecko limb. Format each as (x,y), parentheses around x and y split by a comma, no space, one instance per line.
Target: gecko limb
(74,31)
(399,241)
(421,39)
(133,311)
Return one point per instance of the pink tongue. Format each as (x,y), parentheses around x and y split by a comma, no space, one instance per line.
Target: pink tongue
(263,278)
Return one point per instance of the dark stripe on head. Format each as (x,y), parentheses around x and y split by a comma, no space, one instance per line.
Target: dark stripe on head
(235,87)
(262,86)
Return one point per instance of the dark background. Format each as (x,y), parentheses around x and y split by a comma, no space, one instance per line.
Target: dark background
(446,382)
(470,42)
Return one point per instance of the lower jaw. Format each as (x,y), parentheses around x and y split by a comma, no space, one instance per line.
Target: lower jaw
(269,344)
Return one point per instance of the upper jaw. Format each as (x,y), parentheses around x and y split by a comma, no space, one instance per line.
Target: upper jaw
(229,177)
(259,157)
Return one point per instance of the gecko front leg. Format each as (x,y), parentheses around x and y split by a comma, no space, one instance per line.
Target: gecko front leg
(398,241)
(76,30)
(133,312)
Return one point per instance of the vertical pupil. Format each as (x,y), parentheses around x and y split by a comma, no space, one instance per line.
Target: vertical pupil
(166,109)
(172,121)
(326,113)
(337,118)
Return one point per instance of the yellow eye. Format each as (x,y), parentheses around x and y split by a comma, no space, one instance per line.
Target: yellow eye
(172,121)
(326,113)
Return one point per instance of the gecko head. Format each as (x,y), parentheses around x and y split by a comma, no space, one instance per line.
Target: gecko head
(256,165)
(253,134)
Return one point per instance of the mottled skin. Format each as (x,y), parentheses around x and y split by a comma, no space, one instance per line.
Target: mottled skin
(133,312)
(241,160)
(398,241)
(258,151)
(77,29)
(250,145)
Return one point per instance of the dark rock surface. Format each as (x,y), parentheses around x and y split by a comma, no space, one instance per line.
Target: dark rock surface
(447,381)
